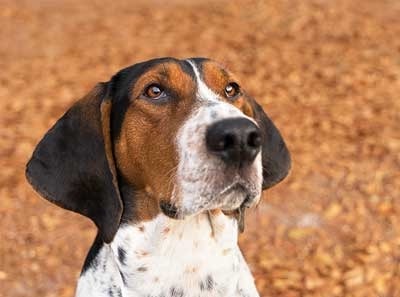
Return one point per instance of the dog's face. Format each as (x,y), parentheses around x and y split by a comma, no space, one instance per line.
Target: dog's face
(176,136)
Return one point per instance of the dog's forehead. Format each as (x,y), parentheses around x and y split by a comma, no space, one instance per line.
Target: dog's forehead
(125,79)
(208,68)
(174,70)
(213,74)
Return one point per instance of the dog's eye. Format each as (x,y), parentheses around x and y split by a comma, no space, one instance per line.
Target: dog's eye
(154,91)
(232,90)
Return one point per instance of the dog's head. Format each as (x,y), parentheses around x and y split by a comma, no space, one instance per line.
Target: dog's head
(174,136)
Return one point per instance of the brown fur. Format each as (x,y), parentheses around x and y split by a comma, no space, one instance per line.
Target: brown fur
(145,152)
(217,78)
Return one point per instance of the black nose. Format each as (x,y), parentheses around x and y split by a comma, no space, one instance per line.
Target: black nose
(235,140)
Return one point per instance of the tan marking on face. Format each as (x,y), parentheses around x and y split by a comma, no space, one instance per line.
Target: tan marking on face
(217,78)
(145,151)
(142,253)
(226,251)
(191,269)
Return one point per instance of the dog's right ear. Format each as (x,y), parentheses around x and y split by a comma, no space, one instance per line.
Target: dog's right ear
(73,165)
(276,161)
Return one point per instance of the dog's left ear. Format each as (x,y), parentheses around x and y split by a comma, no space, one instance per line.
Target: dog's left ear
(73,165)
(276,160)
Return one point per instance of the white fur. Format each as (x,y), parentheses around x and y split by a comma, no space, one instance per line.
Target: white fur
(203,180)
(171,258)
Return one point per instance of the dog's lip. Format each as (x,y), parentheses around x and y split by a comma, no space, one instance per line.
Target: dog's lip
(235,186)
(170,210)
(248,190)
(238,186)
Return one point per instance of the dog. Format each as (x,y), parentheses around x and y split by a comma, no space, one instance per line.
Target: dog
(164,158)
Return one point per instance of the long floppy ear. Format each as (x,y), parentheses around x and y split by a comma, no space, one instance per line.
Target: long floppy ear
(276,160)
(73,165)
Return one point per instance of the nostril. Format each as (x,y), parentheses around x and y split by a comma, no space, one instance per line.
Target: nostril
(229,141)
(222,143)
(254,139)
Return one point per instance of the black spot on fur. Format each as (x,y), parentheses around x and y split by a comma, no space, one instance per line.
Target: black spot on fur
(174,292)
(207,284)
(202,287)
(242,293)
(214,114)
(123,277)
(114,292)
(122,255)
(142,269)
(119,293)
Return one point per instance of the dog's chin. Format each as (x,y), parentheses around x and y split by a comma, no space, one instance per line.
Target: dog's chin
(239,196)
(233,197)
(228,199)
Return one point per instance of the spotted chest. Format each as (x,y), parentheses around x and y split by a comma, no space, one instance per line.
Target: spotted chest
(171,258)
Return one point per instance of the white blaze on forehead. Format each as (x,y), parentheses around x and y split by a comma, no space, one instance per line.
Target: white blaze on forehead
(218,111)
(203,91)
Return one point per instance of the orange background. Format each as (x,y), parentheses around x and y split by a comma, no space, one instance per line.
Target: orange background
(328,74)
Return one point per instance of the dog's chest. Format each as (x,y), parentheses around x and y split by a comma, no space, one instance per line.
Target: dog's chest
(172,258)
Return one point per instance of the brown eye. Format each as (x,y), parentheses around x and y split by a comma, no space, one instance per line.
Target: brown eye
(154,91)
(232,90)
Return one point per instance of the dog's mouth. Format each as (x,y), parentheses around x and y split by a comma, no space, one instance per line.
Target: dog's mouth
(237,195)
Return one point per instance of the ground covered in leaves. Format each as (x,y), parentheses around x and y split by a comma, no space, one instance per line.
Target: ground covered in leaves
(327,72)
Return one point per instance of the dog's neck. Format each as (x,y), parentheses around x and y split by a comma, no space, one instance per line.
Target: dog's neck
(198,256)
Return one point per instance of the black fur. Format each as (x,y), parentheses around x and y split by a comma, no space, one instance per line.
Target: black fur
(121,255)
(69,166)
(128,199)
(174,292)
(169,209)
(123,278)
(90,261)
(207,284)
(114,292)
(276,160)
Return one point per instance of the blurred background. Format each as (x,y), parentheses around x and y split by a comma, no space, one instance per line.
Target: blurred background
(326,71)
